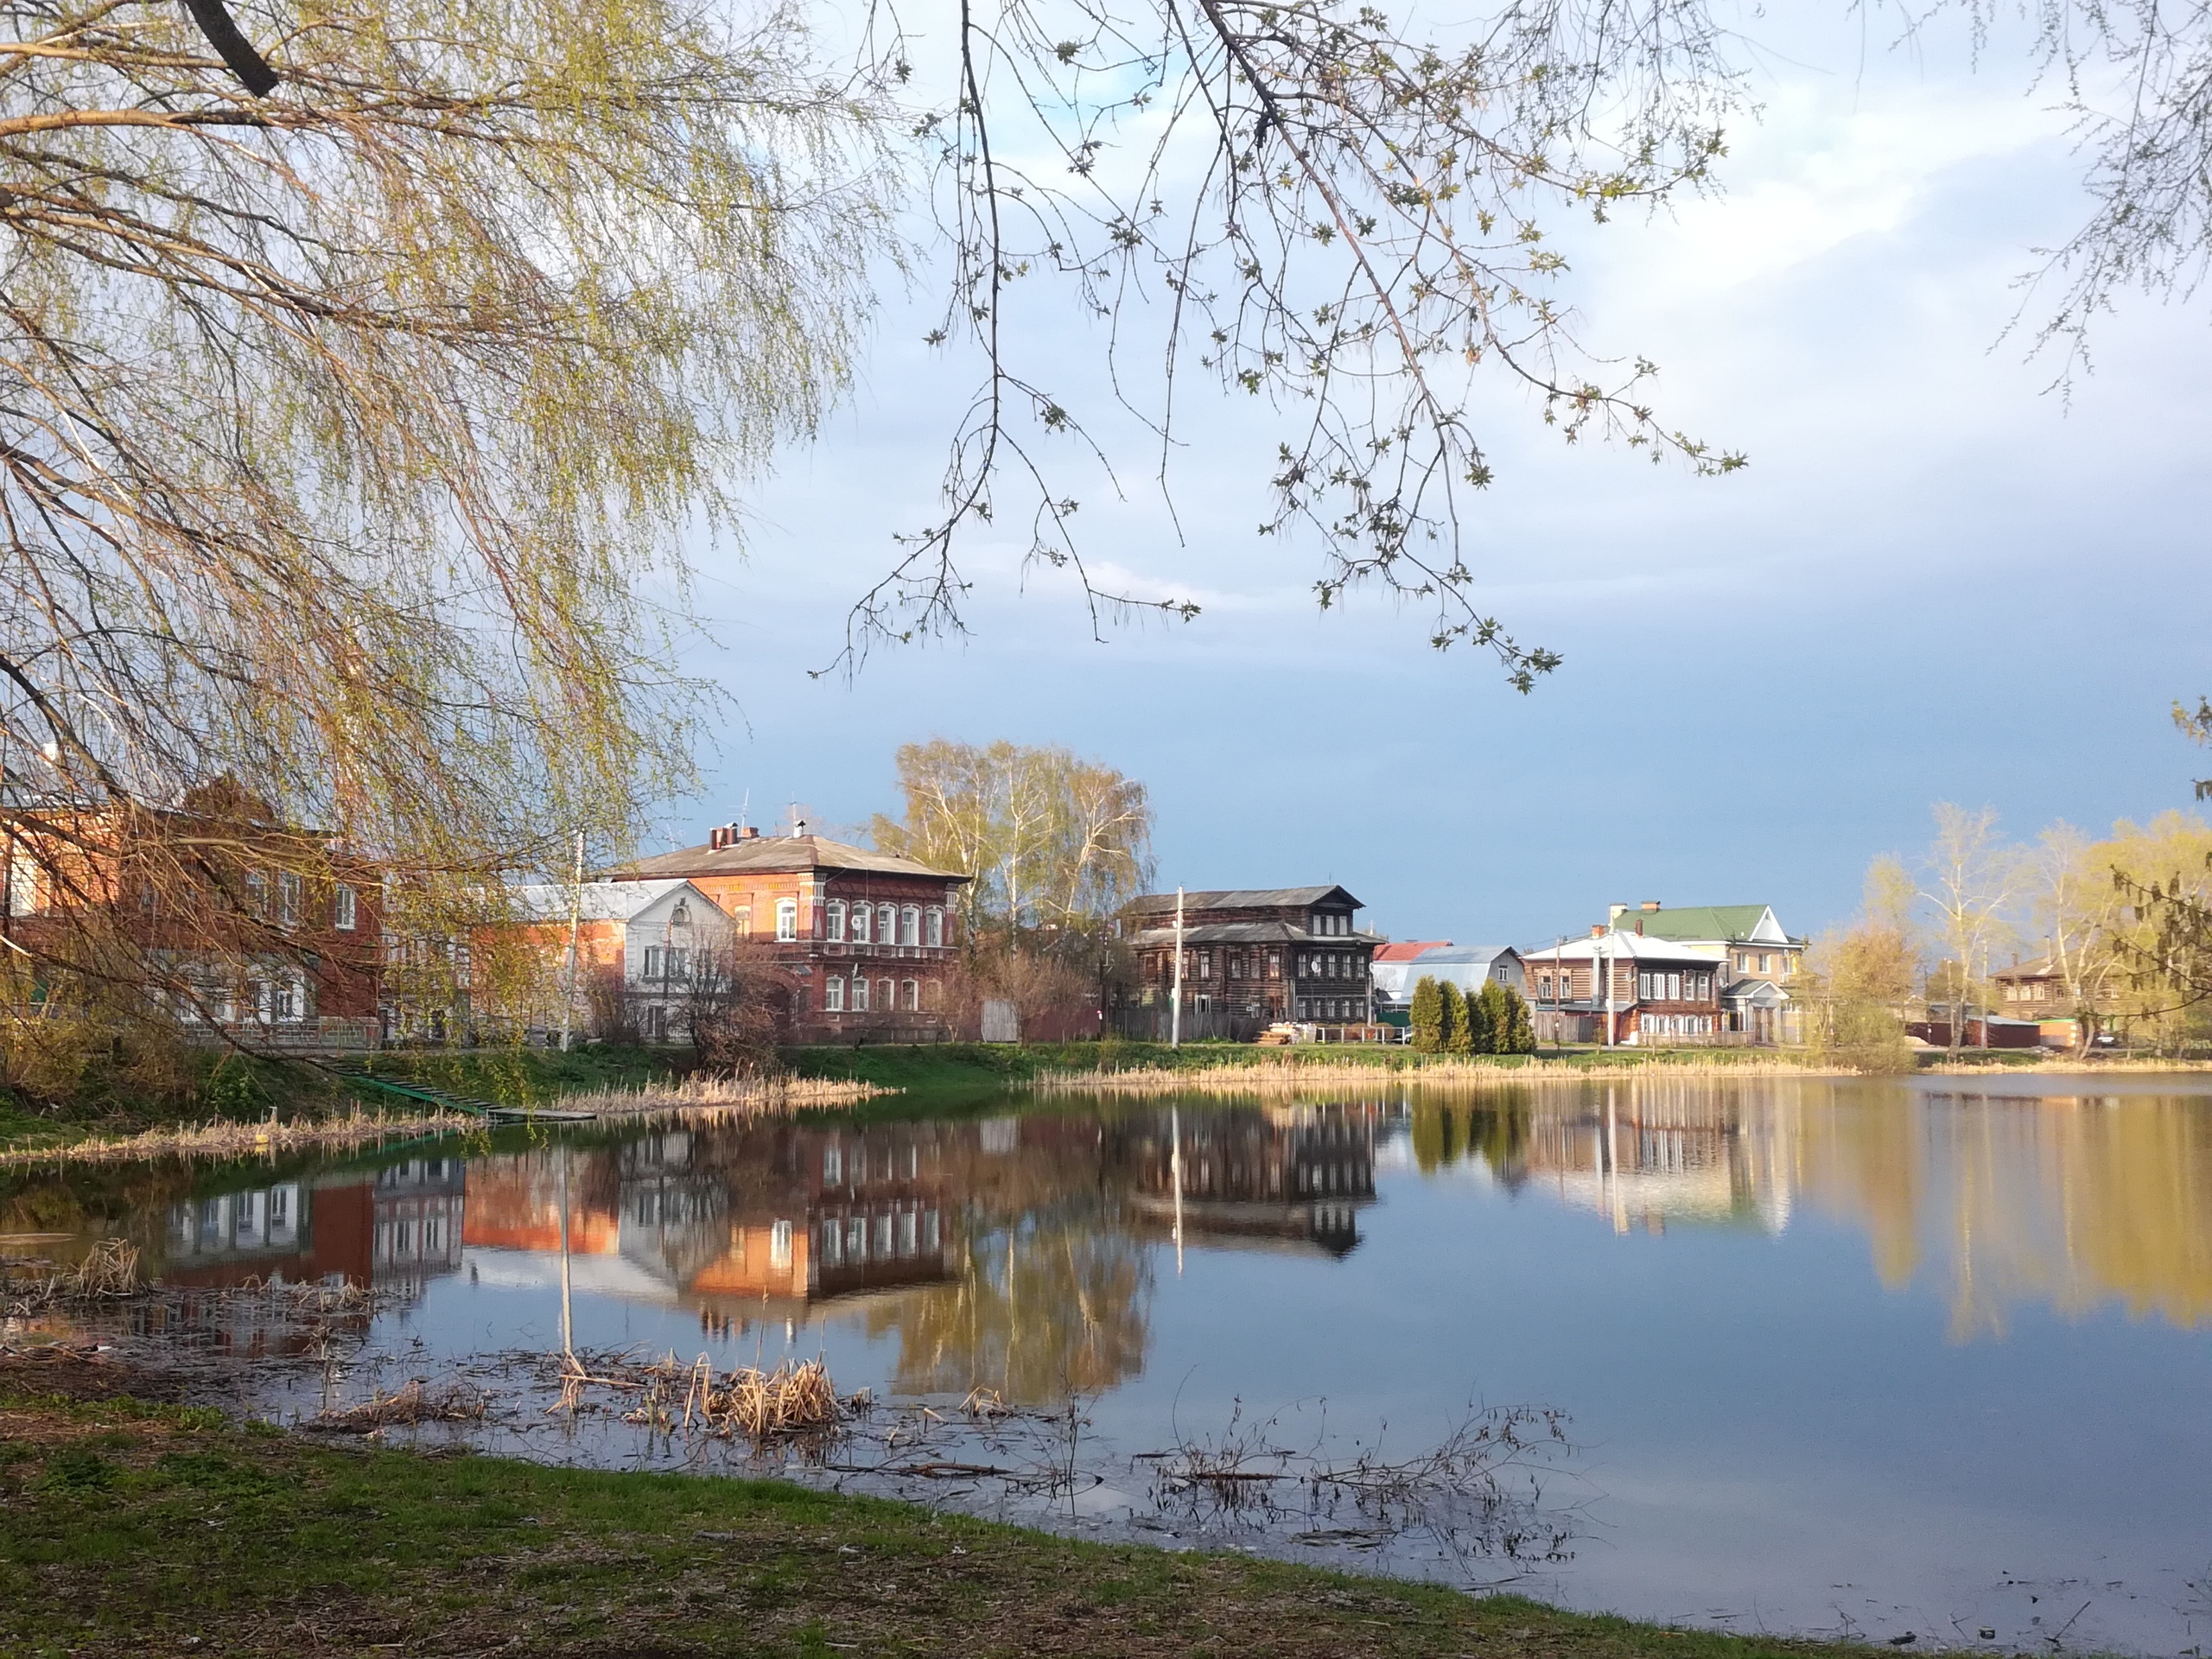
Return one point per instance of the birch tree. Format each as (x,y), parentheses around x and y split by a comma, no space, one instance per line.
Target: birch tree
(1973,878)
(1053,839)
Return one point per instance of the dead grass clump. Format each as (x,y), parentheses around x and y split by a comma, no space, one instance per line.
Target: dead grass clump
(227,1140)
(1273,1077)
(108,1273)
(455,1403)
(794,1401)
(735,1096)
(76,1371)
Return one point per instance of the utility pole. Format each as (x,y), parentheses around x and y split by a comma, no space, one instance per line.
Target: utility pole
(1605,957)
(569,978)
(1175,1007)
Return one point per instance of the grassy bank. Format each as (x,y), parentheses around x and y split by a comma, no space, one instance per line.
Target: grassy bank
(126,1527)
(233,1088)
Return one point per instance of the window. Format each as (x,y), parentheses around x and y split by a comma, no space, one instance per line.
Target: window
(1764,962)
(740,920)
(1275,964)
(257,892)
(933,925)
(913,990)
(1674,988)
(652,962)
(345,908)
(833,996)
(861,914)
(886,995)
(1643,988)
(835,929)
(678,961)
(288,899)
(787,919)
(1205,964)
(23,885)
(910,924)
(859,995)
(887,923)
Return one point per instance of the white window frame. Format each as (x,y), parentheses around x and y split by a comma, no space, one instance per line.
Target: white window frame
(910,924)
(863,927)
(833,994)
(860,994)
(23,885)
(786,919)
(887,923)
(933,925)
(652,968)
(345,907)
(835,927)
(910,995)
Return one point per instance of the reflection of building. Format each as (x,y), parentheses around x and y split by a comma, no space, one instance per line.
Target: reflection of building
(394,1228)
(759,1220)
(1646,1153)
(1291,1179)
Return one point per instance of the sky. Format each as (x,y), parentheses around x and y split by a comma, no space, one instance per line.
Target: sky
(1937,580)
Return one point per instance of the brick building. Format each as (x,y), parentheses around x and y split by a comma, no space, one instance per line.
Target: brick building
(868,938)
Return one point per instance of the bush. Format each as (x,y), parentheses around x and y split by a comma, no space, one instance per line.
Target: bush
(1493,1019)
(1520,1027)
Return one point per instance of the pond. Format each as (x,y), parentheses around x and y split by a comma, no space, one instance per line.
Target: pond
(1855,1357)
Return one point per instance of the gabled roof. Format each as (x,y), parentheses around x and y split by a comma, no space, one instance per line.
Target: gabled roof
(1468,954)
(1406,949)
(1637,947)
(774,855)
(1750,923)
(2042,969)
(604,901)
(1266,932)
(1243,899)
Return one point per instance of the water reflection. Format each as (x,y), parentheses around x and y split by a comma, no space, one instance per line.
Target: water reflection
(2067,1200)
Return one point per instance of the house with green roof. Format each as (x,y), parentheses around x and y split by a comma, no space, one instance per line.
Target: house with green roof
(1760,958)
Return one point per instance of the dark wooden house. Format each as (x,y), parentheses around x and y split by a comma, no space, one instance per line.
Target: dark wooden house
(1252,956)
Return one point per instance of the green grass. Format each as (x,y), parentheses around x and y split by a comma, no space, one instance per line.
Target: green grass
(127,1528)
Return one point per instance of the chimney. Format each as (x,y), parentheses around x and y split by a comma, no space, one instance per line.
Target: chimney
(717,838)
(752,832)
(1650,904)
(798,828)
(1596,930)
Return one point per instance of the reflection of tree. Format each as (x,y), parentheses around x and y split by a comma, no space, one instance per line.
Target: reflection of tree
(1495,1127)
(1047,1306)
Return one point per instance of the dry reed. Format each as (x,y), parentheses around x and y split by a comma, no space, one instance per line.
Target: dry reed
(227,1140)
(109,1271)
(745,1096)
(1273,1075)
(411,1404)
(796,1401)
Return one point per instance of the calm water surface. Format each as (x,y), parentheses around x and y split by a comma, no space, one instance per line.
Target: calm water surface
(1864,1356)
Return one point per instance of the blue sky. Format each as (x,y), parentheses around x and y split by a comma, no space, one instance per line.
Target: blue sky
(1936,581)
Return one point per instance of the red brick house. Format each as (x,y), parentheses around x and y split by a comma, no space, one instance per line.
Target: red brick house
(868,938)
(227,919)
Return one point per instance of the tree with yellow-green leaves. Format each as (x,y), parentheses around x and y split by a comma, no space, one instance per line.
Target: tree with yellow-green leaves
(1857,986)
(349,422)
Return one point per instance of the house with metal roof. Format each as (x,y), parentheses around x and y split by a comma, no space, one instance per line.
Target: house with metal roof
(1624,987)
(1467,966)
(1759,956)
(866,937)
(1252,956)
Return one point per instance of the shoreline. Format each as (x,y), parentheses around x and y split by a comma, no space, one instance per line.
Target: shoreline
(126,1525)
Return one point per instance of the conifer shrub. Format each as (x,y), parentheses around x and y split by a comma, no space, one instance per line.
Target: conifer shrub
(1426,1017)
(1455,1019)
(1520,1027)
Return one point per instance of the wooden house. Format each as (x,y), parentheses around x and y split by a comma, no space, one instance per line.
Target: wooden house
(1257,956)
(1617,988)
